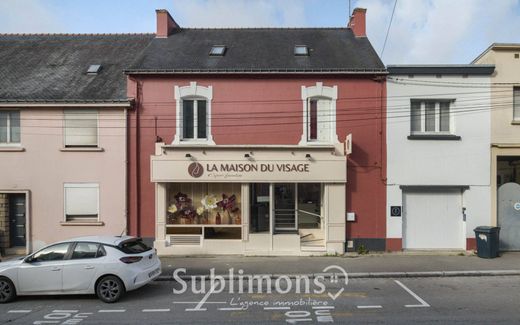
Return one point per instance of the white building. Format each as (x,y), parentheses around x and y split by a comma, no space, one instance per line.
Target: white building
(438,142)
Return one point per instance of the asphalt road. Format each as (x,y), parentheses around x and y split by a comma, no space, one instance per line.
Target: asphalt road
(461,300)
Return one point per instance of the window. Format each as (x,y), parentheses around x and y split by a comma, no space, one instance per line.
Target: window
(51,253)
(319,115)
(430,117)
(319,120)
(194,119)
(133,246)
(516,103)
(193,114)
(81,202)
(81,128)
(87,250)
(9,127)
(301,50)
(217,50)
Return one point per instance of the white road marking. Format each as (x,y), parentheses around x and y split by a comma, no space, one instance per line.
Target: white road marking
(202,301)
(196,302)
(230,308)
(64,311)
(323,307)
(370,307)
(277,308)
(111,310)
(419,299)
(20,311)
(156,310)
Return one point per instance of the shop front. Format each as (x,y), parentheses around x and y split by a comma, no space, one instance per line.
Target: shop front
(255,200)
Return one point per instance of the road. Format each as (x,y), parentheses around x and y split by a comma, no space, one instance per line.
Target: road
(461,300)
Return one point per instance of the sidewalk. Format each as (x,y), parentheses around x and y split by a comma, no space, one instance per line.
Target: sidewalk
(366,266)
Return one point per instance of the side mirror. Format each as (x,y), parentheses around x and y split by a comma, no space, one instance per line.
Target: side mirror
(28,259)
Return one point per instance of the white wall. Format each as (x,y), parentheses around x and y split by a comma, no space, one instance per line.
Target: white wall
(440,162)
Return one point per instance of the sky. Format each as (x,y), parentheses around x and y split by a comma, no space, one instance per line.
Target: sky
(422,31)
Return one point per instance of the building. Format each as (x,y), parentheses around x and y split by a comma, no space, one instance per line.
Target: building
(63,108)
(239,140)
(505,140)
(438,135)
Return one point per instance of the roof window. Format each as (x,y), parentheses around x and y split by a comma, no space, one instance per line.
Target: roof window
(94,69)
(217,50)
(301,50)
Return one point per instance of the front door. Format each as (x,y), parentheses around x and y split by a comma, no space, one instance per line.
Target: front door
(17,220)
(285,207)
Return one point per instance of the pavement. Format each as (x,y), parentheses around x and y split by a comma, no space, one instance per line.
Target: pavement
(357,266)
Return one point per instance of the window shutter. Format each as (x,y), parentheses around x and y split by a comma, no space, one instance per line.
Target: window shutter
(81,200)
(81,128)
(324,120)
(516,103)
(3,126)
(415,121)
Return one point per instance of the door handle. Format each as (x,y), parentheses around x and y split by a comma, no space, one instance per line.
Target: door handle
(89,267)
(56,269)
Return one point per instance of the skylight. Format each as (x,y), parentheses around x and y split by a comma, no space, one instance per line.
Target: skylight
(94,69)
(217,50)
(302,50)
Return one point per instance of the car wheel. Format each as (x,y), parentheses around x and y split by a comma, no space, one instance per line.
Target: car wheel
(7,290)
(110,289)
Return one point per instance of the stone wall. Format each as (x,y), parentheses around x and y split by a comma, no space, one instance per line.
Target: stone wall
(4,222)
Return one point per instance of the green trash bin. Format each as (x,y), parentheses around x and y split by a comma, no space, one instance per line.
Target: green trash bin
(487,241)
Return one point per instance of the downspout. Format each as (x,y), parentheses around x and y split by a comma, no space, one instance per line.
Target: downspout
(126,173)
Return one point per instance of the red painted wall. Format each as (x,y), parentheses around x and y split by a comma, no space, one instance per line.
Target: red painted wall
(264,110)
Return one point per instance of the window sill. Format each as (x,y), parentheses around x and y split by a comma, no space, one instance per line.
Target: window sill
(77,223)
(434,137)
(11,149)
(82,149)
(515,122)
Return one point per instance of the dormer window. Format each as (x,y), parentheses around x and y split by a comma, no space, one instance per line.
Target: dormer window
(94,69)
(217,50)
(301,50)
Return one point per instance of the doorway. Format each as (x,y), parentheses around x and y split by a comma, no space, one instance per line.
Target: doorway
(17,220)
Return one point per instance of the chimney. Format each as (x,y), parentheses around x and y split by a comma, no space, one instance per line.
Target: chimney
(358,22)
(165,24)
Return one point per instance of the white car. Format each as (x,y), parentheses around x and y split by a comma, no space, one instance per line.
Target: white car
(105,265)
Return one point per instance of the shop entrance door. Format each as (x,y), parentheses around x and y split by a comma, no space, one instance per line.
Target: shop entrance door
(285,217)
(17,220)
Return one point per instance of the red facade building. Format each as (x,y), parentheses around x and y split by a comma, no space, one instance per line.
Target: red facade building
(287,126)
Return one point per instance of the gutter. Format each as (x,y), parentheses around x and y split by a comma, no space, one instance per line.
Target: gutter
(127,104)
(254,71)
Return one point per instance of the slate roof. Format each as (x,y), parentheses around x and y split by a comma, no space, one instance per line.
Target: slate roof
(52,67)
(259,50)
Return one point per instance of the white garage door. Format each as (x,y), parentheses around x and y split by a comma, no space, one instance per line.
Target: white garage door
(433,219)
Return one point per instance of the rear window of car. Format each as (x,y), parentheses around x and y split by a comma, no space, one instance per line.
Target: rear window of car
(135,246)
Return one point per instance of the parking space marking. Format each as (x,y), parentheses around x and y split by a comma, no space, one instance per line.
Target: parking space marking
(370,307)
(64,311)
(419,299)
(111,310)
(156,310)
(277,308)
(323,307)
(230,308)
(20,311)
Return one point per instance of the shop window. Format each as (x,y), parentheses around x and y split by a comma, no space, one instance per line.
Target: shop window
(81,128)
(204,204)
(9,127)
(81,202)
(430,117)
(309,206)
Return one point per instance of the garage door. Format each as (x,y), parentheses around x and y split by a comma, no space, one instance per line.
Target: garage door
(433,219)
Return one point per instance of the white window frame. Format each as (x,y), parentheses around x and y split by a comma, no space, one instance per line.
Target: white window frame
(319,92)
(9,131)
(437,130)
(193,92)
(93,111)
(80,185)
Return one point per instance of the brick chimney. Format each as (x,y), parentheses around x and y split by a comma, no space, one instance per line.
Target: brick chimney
(165,24)
(358,22)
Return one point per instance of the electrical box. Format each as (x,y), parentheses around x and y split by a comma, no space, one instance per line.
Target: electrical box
(351,216)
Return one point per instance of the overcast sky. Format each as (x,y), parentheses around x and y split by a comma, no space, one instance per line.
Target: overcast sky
(423,31)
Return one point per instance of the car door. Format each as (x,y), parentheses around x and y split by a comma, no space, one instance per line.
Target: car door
(79,271)
(43,271)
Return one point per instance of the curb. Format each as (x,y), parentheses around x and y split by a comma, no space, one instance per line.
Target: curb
(363,275)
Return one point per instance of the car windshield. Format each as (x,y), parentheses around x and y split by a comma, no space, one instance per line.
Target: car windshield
(134,246)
